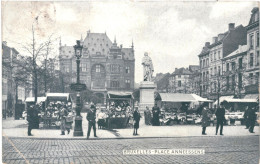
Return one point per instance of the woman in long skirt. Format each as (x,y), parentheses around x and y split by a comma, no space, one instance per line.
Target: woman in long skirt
(205,120)
(136,116)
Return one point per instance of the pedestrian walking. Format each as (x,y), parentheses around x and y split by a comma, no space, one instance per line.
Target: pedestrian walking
(91,117)
(205,120)
(156,112)
(137,117)
(101,119)
(68,120)
(246,118)
(33,119)
(147,116)
(220,114)
(63,114)
(251,119)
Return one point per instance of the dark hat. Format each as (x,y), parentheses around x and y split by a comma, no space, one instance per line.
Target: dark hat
(92,106)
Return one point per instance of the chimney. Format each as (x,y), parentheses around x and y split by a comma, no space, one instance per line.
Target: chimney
(121,46)
(214,39)
(5,43)
(207,44)
(220,36)
(231,26)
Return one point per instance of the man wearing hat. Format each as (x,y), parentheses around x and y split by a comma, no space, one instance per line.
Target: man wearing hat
(220,114)
(91,117)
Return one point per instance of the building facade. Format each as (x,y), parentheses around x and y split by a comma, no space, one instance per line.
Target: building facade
(253,52)
(181,80)
(104,65)
(211,69)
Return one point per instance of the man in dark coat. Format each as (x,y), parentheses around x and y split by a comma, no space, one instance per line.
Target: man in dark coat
(251,119)
(156,112)
(137,117)
(91,117)
(220,114)
(246,117)
(33,119)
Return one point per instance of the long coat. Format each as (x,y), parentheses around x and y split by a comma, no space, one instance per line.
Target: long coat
(33,118)
(136,116)
(205,118)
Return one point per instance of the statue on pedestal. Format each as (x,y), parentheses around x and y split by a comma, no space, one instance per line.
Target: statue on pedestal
(148,67)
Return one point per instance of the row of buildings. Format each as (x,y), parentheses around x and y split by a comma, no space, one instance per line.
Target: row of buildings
(14,91)
(228,66)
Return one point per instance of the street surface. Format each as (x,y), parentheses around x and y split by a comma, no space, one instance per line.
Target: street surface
(224,149)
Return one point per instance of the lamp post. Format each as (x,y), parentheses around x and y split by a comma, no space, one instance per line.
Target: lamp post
(78,87)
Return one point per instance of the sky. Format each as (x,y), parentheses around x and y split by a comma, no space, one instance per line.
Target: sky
(173,33)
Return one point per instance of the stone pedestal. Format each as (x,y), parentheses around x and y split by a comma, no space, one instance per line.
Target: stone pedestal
(147,89)
(78,126)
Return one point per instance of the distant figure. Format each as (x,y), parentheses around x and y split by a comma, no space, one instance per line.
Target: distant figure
(63,114)
(205,120)
(246,118)
(147,116)
(156,112)
(220,114)
(33,119)
(148,67)
(137,117)
(101,119)
(251,119)
(91,117)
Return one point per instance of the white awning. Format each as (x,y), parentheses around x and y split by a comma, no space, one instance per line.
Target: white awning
(242,100)
(181,97)
(58,95)
(39,99)
(223,98)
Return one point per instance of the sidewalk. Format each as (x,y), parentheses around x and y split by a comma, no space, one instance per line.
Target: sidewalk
(18,128)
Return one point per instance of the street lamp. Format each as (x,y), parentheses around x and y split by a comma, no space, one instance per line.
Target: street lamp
(78,87)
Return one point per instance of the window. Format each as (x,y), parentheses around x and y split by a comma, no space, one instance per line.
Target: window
(207,75)
(114,84)
(83,67)
(227,67)
(240,80)
(219,70)
(214,55)
(251,41)
(219,55)
(179,83)
(179,76)
(257,58)
(127,69)
(211,72)
(251,60)
(115,68)
(215,70)
(127,83)
(240,63)
(257,77)
(67,69)
(207,62)
(257,41)
(233,66)
(233,82)
(251,78)
(203,63)
(98,68)
(227,83)
(92,49)
(210,57)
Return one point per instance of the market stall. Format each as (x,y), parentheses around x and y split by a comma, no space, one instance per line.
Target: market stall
(40,106)
(179,108)
(120,106)
(54,103)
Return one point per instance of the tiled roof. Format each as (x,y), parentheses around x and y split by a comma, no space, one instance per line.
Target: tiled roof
(240,50)
(128,53)
(67,51)
(97,44)
(181,71)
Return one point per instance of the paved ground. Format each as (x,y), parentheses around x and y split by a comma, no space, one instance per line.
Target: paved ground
(231,150)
